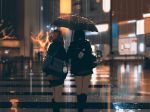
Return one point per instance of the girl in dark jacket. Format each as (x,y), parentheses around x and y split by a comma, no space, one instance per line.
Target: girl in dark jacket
(56,48)
(57,45)
(79,53)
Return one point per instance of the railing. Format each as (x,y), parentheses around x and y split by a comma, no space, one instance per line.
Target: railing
(12,65)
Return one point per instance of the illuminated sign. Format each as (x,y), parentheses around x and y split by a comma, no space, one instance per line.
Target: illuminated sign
(128,46)
(115,29)
(140,27)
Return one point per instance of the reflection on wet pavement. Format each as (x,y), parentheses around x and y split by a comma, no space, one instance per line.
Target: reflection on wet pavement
(115,87)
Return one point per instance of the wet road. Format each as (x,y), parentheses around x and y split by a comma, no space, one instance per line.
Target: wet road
(115,87)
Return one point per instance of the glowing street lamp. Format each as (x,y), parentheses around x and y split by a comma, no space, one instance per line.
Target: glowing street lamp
(106,4)
(65,6)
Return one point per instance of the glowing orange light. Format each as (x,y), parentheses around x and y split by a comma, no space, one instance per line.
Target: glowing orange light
(14,104)
(123,22)
(147,24)
(64,30)
(65,6)
(41,39)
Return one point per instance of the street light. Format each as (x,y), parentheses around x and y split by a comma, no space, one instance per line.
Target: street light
(65,6)
(106,4)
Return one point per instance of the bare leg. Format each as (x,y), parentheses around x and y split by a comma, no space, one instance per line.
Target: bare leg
(78,84)
(86,83)
(82,84)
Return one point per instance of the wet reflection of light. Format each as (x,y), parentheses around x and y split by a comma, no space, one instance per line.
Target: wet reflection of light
(31,74)
(135,72)
(117,107)
(30,84)
(30,64)
(104,76)
(131,111)
(120,110)
(68,83)
(100,74)
(139,69)
(69,78)
(93,76)
(14,103)
(42,82)
(122,69)
(25,71)
(93,79)
(12,78)
(12,91)
(68,89)
(127,68)
(6,51)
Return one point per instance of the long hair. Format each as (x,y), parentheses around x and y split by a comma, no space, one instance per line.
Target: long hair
(59,36)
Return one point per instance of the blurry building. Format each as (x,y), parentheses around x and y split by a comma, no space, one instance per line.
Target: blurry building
(51,10)
(26,17)
(130,26)
(93,10)
(35,15)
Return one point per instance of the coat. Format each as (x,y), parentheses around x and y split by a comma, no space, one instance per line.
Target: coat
(56,50)
(80,66)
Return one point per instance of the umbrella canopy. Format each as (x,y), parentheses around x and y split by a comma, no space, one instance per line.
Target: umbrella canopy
(75,22)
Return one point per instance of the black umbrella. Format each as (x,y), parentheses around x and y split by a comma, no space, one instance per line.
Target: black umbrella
(75,22)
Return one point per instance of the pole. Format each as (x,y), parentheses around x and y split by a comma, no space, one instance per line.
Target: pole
(110,24)
(86,7)
(1,8)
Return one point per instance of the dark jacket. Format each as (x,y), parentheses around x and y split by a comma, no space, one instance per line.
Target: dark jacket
(80,66)
(57,49)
